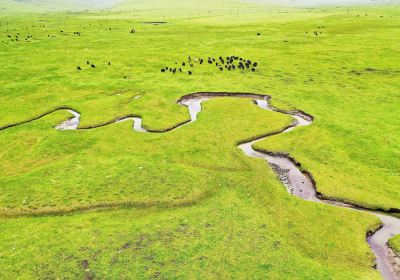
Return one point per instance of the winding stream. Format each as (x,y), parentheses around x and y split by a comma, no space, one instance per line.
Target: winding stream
(296,182)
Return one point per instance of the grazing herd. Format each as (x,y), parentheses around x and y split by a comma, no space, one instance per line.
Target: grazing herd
(92,65)
(316,33)
(17,37)
(229,63)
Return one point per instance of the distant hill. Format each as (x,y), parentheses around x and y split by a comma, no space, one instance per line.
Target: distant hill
(53,5)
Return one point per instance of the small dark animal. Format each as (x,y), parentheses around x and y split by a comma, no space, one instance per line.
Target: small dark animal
(253,69)
(163,70)
(183,63)
(258,34)
(87,62)
(109,63)
(133,31)
(93,66)
(78,68)
(255,64)
(190,72)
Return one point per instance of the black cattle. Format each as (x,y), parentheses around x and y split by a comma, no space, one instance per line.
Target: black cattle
(258,34)
(220,68)
(190,72)
(163,70)
(183,63)
(255,64)
(133,31)
(93,66)
(109,63)
(78,68)
(253,69)
(87,62)
(180,69)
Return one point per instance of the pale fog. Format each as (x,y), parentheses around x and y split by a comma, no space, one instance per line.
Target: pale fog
(315,3)
(301,3)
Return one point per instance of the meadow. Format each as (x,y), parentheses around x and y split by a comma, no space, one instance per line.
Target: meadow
(113,203)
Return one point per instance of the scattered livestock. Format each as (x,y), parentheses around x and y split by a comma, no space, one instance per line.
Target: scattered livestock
(18,38)
(92,65)
(230,63)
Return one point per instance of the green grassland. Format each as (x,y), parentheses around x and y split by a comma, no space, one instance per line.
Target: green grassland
(188,203)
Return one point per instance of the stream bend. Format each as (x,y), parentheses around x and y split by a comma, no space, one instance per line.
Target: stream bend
(297,182)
